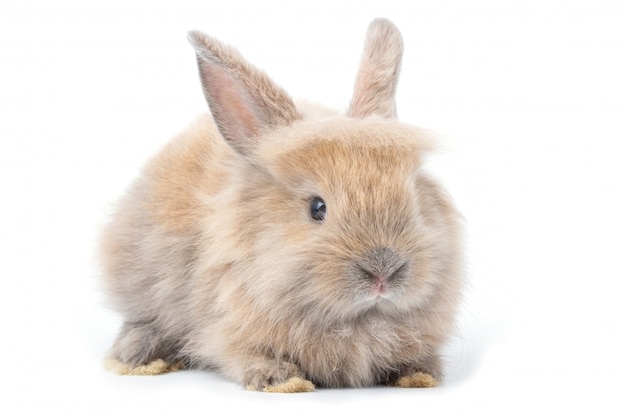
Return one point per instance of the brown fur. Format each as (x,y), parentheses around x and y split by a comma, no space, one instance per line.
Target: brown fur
(213,259)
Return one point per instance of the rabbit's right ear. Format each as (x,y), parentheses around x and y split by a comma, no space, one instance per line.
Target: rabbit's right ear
(242,99)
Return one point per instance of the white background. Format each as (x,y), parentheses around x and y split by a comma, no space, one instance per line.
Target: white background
(528,99)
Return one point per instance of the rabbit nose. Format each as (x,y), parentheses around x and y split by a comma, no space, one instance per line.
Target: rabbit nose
(382,264)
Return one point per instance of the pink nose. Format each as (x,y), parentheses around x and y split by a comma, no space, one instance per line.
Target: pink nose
(379,284)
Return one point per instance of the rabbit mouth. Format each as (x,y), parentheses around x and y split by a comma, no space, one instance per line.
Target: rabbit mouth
(382,271)
(382,289)
(379,289)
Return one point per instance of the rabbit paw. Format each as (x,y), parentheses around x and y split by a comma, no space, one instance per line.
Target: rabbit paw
(283,377)
(155,367)
(293,384)
(417,380)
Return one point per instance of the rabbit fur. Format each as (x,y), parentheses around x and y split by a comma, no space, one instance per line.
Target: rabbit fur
(214,260)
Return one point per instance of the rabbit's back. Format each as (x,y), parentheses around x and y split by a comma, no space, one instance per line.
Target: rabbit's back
(149,246)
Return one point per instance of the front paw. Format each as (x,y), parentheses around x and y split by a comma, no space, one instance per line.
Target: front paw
(293,384)
(272,376)
(417,380)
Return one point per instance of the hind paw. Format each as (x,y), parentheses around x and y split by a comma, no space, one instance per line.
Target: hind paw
(156,367)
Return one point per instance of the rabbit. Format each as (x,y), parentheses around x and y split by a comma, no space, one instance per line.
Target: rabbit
(288,247)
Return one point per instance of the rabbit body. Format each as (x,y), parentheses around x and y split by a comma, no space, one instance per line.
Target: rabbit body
(220,255)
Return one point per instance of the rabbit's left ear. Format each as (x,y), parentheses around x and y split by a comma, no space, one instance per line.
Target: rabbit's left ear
(377,77)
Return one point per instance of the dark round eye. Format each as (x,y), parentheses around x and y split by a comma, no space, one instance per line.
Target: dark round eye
(317,209)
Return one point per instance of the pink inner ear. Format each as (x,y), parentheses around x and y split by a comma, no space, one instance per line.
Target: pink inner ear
(231,106)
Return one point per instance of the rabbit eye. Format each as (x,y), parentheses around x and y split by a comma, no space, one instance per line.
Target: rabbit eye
(317,209)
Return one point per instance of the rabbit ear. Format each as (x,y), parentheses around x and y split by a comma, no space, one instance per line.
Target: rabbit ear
(377,77)
(242,99)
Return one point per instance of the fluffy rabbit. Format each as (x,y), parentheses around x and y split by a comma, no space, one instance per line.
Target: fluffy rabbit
(287,246)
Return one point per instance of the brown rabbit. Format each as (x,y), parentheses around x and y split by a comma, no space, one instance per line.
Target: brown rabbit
(287,246)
